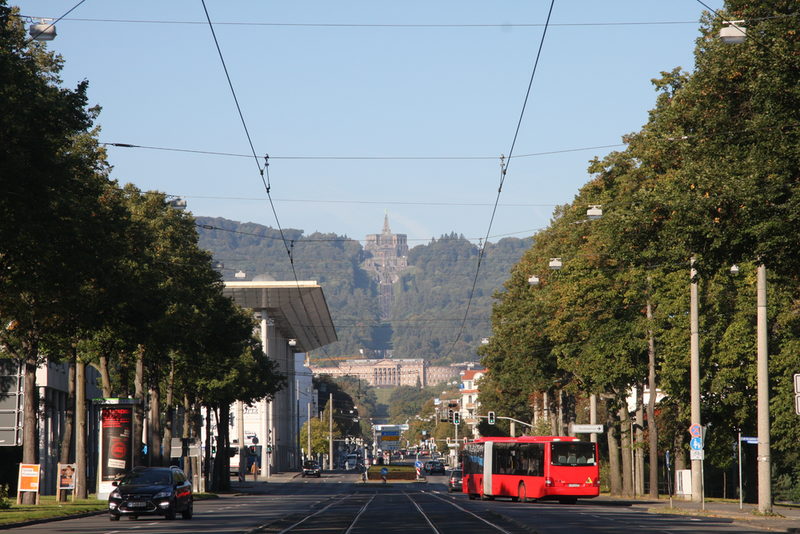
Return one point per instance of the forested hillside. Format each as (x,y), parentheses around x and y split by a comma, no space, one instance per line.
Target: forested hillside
(430,299)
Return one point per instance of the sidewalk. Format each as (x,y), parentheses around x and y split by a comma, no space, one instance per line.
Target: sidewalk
(785,519)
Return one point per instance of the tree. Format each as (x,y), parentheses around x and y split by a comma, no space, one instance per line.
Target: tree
(55,218)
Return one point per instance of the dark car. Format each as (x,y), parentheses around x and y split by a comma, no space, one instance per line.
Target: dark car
(151,491)
(435,467)
(311,469)
(454,481)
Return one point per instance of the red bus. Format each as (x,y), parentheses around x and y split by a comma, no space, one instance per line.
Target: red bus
(531,468)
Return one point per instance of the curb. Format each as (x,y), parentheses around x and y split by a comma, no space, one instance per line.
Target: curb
(7,526)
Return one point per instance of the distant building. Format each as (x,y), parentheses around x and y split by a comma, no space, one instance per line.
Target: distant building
(386,257)
(439,374)
(378,373)
(470,404)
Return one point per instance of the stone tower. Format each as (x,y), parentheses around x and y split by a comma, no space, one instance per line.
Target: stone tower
(387,257)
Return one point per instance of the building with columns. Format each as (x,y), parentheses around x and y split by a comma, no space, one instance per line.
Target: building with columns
(293,318)
(389,372)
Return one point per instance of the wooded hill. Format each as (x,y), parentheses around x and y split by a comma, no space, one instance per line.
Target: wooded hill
(430,300)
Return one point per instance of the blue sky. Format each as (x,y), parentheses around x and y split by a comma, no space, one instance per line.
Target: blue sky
(370,79)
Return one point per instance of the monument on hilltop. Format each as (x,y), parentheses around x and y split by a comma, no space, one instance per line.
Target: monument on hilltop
(386,257)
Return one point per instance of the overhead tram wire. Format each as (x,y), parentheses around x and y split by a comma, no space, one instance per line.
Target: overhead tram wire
(359,158)
(504,163)
(261,171)
(409,26)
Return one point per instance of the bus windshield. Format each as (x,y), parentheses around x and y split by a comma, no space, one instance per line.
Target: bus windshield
(572,453)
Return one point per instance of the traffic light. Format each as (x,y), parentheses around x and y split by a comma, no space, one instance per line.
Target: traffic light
(450,416)
(491,418)
(456,418)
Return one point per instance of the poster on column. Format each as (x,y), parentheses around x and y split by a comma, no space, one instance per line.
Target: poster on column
(116,444)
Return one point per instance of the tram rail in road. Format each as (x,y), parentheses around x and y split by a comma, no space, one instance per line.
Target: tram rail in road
(388,510)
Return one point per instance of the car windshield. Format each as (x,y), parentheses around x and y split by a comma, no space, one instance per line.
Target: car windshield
(310,465)
(146,477)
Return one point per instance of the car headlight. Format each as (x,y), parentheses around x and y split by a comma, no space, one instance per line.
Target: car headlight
(163,495)
(115,494)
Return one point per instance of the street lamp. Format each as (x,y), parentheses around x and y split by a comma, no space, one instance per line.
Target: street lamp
(733,32)
(44,30)
(594,212)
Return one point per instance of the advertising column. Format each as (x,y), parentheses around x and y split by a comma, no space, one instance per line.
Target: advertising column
(116,442)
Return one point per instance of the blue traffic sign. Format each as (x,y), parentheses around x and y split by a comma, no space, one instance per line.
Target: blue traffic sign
(696,444)
(417,464)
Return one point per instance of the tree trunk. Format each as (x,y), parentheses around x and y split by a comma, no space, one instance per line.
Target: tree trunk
(187,417)
(69,414)
(680,455)
(81,489)
(30,425)
(614,472)
(639,434)
(652,426)
(138,409)
(221,479)
(169,410)
(625,441)
(156,454)
(105,379)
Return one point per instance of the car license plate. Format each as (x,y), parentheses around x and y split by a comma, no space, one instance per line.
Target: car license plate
(574,485)
(137,504)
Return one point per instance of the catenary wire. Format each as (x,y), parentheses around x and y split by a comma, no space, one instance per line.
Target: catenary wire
(264,181)
(503,170)
(410,25)
(356,157)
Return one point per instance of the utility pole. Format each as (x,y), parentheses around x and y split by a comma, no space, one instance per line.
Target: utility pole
(694,344)
(330,432)
(762,366)
(308,433)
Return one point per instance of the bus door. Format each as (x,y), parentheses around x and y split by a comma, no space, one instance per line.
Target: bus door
(488,467)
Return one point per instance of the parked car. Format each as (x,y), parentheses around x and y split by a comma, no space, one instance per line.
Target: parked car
(454,480)
(435,467)
(151,491)
(311,469)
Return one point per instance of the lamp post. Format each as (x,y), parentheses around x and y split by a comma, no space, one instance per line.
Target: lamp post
(733,32)
(694,380)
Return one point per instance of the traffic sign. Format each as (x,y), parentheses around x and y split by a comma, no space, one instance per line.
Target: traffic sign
(586,429)
(797,404)
(696,444)
(697,455)
(797,384)
(695,431)
(750,440)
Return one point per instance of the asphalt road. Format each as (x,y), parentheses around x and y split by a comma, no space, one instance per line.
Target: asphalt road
(339,503)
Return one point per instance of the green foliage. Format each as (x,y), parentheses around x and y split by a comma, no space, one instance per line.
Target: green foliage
(713,174)
(438,281)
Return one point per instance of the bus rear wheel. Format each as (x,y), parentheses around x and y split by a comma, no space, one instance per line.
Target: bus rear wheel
(522,492)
